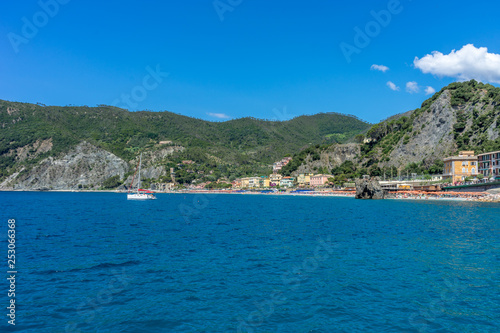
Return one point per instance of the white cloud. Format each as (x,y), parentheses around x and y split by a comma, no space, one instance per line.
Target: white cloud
(219,115)
(392,86)
(412,87)
(429,91)
(465,64)
(381,68)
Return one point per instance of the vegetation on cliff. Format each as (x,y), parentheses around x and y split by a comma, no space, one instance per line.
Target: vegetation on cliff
(476,107)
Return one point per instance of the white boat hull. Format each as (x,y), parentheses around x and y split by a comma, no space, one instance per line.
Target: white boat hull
(140,196)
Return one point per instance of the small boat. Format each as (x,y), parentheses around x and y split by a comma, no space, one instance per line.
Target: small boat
(140,194)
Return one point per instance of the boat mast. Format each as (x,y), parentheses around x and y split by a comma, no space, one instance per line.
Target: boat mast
(133,177)
(139,184)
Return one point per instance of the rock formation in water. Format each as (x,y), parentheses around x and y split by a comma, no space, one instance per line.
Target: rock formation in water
(369,189)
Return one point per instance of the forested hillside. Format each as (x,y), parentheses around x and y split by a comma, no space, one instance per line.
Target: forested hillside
(30,133)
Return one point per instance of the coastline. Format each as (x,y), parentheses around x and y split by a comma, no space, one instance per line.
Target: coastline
(441,196)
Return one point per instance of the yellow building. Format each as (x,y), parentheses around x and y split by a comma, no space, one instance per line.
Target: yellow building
(245,182)
(457,168)
(266,182)
(275,179)
(254,182)
(304,179)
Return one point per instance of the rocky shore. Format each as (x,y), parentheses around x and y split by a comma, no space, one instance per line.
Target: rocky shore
(369,189)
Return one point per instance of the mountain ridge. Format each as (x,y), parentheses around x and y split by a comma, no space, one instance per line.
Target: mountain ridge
(239,146)
(461,116)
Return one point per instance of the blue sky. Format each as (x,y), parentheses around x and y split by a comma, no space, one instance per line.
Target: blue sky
(229,59)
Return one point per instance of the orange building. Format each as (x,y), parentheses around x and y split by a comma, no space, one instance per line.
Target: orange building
(457,168)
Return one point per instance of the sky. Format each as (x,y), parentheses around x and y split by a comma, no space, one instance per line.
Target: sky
(226,59)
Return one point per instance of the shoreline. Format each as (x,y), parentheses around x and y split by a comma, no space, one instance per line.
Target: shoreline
(441,196)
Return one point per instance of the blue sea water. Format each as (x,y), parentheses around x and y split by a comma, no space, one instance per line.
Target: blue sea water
(95,262)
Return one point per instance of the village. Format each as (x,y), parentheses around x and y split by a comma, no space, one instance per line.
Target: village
(466,175)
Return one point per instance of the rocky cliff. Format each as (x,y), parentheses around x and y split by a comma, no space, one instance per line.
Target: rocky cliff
(432,137)
(329,158)
(462,116)
(85,165)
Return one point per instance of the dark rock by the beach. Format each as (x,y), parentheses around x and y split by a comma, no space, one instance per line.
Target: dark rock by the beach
(369,189)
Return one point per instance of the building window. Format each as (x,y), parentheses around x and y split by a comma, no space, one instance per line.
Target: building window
(473,170)
(463,170)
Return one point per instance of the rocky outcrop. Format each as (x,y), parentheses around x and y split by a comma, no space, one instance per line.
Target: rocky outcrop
(152,172)
(84,165)
(369,189)
(31,151)
(158,155)
(433,135)
(151,167)
(333,156)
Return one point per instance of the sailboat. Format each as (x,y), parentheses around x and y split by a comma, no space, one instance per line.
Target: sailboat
(140,194)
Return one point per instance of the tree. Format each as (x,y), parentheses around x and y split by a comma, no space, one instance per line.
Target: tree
(112,182)
(375,171)
(437,167)
(360,138)
(377,131)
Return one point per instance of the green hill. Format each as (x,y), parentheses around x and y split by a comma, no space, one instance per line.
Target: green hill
(244,145)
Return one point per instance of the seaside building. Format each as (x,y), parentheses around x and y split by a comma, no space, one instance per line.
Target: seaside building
(254,182)
(489,164)
(457,168)
(287,182)
(245,182)
(436,177)
(319,180)
(264,181)
(274,179)
(304,179)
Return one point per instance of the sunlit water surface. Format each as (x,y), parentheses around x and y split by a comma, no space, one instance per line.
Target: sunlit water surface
(95,262)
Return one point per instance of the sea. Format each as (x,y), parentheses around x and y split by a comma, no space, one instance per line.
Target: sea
(95,262)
